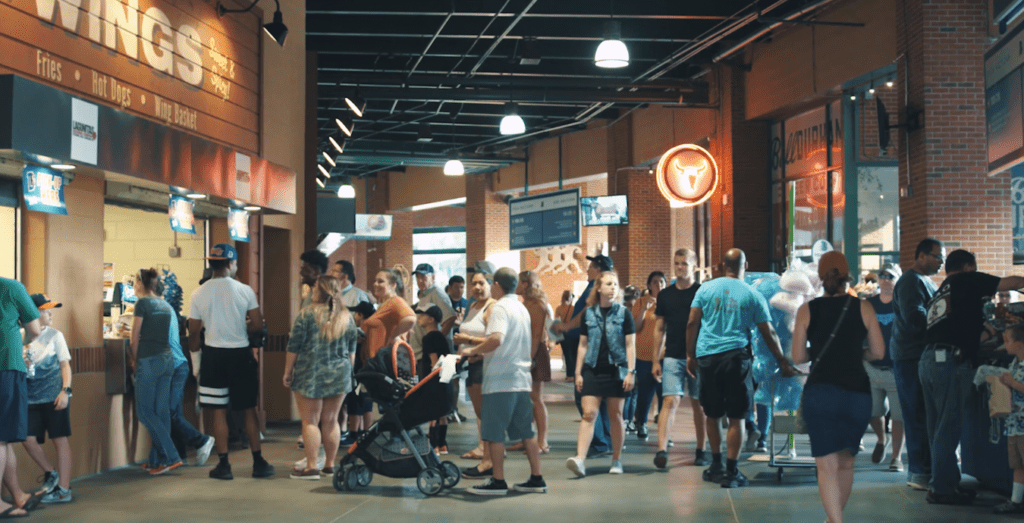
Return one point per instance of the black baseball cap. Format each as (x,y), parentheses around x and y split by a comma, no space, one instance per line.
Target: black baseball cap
(424,268)
(602,262)
(364,307)
(434,312)
(43,302)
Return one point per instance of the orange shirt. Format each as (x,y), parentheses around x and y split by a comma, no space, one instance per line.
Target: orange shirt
(380,327)
(646,340)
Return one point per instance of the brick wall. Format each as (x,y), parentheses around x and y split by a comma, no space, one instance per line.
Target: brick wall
(486,218)
(952,198)
(868,124)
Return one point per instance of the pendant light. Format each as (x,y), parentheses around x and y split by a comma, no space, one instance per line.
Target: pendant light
(612,53)
(512,123)
(346,190)
(454,167)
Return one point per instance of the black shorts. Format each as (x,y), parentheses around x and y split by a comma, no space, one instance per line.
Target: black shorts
(228,378)
(475,374)
(44,418)
(13,406)
(726,383)
(358,404)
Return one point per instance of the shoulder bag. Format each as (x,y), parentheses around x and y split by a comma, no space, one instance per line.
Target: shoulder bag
(800,422)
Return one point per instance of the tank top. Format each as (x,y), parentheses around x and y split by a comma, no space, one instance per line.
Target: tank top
(841,365)
(473,324)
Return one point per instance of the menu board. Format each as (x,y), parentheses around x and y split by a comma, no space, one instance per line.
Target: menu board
(545,220)
(1004,105)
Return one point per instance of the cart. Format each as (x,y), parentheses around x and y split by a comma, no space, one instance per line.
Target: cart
(786,425)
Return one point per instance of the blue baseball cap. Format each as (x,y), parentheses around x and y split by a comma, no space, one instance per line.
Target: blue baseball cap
(222,251)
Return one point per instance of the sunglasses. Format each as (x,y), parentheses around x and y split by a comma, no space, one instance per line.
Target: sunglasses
(886,277)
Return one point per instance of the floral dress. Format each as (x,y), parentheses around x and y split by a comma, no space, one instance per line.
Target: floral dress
(323,368)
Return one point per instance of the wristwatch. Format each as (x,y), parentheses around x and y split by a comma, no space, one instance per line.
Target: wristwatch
(68,390)
(632,371)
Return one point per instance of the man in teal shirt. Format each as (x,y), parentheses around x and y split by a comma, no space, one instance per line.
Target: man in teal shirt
(722,316)
(16,310)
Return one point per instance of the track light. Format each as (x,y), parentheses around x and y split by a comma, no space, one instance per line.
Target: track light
(338,147)
(276,29)
(345,124)
(356,103)
(612,53)
(512,123)
(329,159)
(454,167)
(320,182)
(321,167)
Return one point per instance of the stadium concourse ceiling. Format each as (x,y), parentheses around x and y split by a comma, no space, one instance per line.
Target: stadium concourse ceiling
(437,76)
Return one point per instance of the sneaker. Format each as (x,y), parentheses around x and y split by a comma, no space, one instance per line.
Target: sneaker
(714,474)
(1006,508)
(163,469)
(310,475)
(752,437)
(670,443)
(532,486)
(630,427)
(348,439)
(50,479)
(327,471)
(734,479)
(222,471)
(616,467)
(57,495)
(577,466)
(203,453)
(641,433)
(661,459)
(955,498)
(262,469)
(896,466)
(701,458)
(321,461)
(761,447)
(300,443)
(491,487)
(917,485)
(476,473)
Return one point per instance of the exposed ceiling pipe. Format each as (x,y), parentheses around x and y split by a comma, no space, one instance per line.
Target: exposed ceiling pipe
(792,16)
(498,40)
(429,44)
(479,36)
(499,14)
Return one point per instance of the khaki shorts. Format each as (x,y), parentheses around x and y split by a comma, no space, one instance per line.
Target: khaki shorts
(1015,445)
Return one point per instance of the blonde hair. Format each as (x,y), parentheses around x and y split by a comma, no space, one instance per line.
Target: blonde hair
(331,315)
(594,298)
(534,287)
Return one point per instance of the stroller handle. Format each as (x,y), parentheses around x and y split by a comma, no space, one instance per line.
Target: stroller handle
(394,388)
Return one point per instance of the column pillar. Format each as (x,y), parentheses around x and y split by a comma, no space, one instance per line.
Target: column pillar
(486,219)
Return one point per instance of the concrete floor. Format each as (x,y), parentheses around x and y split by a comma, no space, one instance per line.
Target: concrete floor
(643,493)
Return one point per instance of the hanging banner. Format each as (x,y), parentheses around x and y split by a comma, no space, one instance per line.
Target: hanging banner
(85,124)
(180,211)
(238,225)
(243,172)
(43,189)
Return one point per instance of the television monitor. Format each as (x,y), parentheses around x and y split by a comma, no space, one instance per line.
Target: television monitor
(335,214)
(372,227)
(604,210)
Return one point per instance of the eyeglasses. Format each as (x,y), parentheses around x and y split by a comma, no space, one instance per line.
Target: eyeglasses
(938,257)
(886,277)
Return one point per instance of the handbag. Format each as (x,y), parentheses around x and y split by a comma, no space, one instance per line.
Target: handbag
(801,424)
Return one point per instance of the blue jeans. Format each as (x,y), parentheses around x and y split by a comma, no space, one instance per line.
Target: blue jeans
(152,402)
(646,388)
(629,406)
(602,441)
(181,429)
(908,385)
(947,388)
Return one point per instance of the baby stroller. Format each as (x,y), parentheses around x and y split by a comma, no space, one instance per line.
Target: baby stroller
(388,447)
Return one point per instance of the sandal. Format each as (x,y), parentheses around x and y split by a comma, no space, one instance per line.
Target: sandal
(517,446)
(32,502)
(8,513)
(473,454)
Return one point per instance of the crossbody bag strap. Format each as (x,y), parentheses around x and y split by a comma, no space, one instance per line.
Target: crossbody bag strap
(832,336)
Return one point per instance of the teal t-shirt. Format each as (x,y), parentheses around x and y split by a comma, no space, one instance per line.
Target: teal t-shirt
(731,309)
(154,338)
(16,308)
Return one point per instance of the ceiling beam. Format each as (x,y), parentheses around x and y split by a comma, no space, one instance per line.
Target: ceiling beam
(579,96)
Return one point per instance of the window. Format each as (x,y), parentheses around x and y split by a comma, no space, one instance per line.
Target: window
(444,248)
(878,215)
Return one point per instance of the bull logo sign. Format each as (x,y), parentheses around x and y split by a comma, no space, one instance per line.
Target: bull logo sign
(687,174)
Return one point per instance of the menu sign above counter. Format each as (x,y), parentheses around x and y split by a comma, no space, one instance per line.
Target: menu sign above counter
(175,62)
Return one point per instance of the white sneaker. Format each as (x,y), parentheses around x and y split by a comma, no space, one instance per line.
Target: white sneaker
(321,460)
(577,466)
(203,453)
(616,467)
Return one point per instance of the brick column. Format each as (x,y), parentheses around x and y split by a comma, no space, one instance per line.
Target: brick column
(486,219)
(948,194)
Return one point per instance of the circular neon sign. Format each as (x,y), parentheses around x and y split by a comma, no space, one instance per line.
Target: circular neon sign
(687,174)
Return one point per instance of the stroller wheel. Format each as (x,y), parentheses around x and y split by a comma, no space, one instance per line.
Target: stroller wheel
(339,478)
(352,478)
(451,474)
(363,475)
(429,481)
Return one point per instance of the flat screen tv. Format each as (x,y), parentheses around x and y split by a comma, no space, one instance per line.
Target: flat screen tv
(604,210)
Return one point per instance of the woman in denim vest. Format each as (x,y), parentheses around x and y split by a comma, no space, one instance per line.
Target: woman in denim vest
(605,368)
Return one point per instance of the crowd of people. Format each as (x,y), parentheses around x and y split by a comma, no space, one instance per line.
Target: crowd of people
(906,356)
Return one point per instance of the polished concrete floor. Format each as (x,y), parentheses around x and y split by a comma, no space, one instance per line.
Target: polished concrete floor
(643,493)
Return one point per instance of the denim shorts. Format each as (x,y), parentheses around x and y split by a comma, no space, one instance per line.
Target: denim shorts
(676,382)
(506,412)
(836,418)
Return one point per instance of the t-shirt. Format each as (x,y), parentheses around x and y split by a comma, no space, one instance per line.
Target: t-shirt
(47,352)
(174,335)
(674,306)
(1015,420)
(222,304)
(955,315)
(910,297)
(16,308)
(434,343)
(352,295)
(507,368)
(432,295)
(731,308)
(604,358)
(154,338)
(380,327)
(646,340)
(884,313)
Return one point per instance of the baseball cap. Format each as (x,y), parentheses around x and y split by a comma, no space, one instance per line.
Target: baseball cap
(364,307)
(424,268)
(893,269)
(43,302)
(485,267)
(833,260)
(434,312)
(602,262)
(222,251)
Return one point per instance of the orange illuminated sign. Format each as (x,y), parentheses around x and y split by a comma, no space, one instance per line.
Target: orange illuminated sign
(687,174)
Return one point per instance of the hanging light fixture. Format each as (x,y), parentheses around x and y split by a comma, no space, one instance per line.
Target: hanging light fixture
(346,190)
(320,182)
(329,159)
(276,29)
(512,123)
(612,53)
(454,167)
(356,103)
(340,147)
(326,174)
(345,124)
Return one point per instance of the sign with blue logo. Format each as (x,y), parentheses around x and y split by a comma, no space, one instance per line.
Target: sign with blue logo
(180,211)
(238,225)
(43,189)
(545,220)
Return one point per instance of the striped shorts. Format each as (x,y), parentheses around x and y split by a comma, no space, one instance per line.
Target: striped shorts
(228,378)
